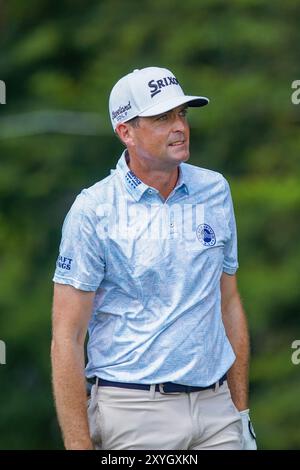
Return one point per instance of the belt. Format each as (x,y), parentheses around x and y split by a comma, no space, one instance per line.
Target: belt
(167,387)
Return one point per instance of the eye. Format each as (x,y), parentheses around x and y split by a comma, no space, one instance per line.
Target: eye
(183,112)
(162,117)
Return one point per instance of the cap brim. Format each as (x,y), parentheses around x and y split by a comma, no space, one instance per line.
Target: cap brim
(192,101)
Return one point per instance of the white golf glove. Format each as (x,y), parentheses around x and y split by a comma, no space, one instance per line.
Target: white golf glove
(249,436)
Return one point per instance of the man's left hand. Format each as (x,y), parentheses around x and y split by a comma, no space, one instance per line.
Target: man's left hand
(249,436)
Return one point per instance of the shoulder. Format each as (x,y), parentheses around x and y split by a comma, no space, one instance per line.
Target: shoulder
(89,199)
(202,176)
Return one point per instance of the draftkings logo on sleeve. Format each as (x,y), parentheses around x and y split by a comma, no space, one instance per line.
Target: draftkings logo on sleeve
(64,263)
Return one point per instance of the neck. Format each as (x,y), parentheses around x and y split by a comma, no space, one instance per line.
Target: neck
(163,179)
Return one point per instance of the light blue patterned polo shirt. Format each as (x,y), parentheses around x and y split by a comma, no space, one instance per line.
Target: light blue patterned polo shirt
(155,266)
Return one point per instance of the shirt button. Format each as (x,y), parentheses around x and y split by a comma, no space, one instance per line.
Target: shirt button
(150,191)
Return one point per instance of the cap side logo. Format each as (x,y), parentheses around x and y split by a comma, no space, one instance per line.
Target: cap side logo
(121,112)
(156,85)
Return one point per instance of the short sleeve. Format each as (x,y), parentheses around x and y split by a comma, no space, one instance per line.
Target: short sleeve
(230,264)
(81,257)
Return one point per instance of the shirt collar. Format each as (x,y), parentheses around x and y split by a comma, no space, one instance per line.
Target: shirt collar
(182,180)
(136,187)
(133,184)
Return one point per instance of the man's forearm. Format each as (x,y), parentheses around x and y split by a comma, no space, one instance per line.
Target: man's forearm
(235,323)
(70,394)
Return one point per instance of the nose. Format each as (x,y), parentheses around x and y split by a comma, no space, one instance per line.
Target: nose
(179,123)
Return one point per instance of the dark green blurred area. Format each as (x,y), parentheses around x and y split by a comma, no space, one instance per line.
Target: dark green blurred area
(60,57)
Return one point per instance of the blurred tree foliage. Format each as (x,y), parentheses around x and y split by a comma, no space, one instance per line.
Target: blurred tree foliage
(67,55)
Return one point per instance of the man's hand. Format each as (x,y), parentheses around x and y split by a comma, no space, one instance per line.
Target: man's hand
(249,436)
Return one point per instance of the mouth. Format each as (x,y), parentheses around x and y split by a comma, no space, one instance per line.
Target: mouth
(177,143)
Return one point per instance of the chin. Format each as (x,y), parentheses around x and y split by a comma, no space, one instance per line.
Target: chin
(182,156)
(187,156)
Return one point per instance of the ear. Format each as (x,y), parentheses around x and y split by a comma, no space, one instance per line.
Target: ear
(125,133)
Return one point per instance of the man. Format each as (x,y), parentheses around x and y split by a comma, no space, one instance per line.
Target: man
(147,263)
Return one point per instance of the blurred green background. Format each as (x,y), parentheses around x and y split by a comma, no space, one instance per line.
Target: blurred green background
(59,61)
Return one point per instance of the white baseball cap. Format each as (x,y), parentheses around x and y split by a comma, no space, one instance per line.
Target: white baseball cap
(148,92)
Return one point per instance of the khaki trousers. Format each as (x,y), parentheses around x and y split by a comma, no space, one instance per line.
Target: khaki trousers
(129,419)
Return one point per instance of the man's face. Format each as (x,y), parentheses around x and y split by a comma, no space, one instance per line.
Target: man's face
(164,138)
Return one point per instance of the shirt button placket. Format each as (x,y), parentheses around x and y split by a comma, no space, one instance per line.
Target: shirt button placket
(172,229)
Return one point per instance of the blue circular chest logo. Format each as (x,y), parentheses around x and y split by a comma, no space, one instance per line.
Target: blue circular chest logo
(206,235)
